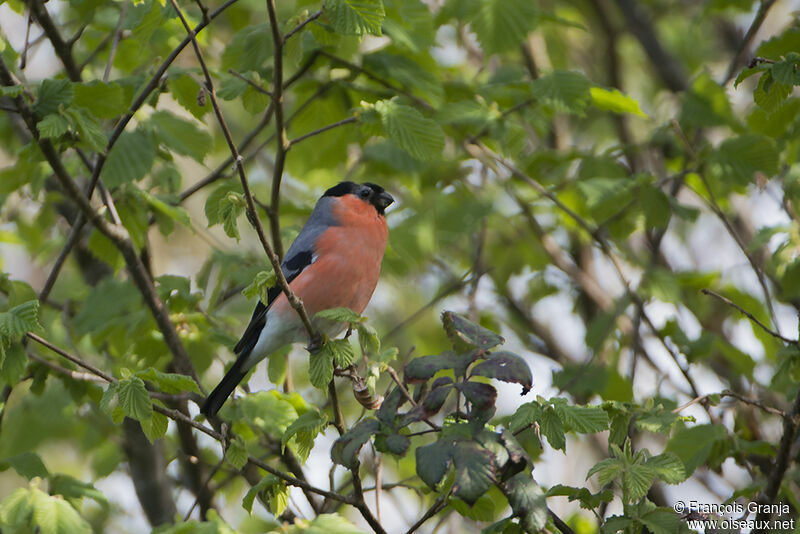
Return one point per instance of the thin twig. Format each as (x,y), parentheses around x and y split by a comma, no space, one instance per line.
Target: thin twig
(77,361)
(115,41)
(758,20)
(435,508)
(408,396)
(62,48)
(250,82)
(204,486)
(280,129)
(728,393)
(251,208)
(348,120)
(302,25)
(75,375)
(750,316)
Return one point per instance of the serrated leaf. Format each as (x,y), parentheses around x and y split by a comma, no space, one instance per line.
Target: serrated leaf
(19,320)
(134,399)
(345,449)
(181,136)
(55,516)
(566,91)
(474,472)
(606,470)
(616,101)
(552,428)
(397,444)
(250,496)
(506,366)
(103,100)
(231,206)
(16,509)
(341,351)
(262,282)
(169,382)
(668,467)
(52,126)
(345,315)
(355,17)
(320,368)
(581,419)
(130,159)
(52,95)
(90,134)
(435,398)
(236,454)
(502,25)
(368,339)
(155,427)
(254,101)
(184,90)
(742,156)
(527,500)
(27,464)
(637,478)
(420,136)
(248,50)
(305,429)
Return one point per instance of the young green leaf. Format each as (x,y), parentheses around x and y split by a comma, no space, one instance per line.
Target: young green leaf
(134,399)
(263,281)
(169,382)
(320,368)
(27,464)
(345,315)
(305,429)
(236,454)
(130,159)
(421,137)
(355,17)
(181,136)
(103,100)
(616,101)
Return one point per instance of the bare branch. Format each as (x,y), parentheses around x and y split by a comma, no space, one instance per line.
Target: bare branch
(250,82)
(750,316)
(280,129)
(348,120)
(302,25)
(62,48)
(758,20)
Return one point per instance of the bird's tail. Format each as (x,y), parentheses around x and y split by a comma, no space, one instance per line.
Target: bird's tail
(223,390)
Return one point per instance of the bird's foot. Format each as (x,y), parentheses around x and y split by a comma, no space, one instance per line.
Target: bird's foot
(316,343)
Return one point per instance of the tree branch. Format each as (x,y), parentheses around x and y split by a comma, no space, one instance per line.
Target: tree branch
(62,48)
(758,20)
(348,120)
(280,128)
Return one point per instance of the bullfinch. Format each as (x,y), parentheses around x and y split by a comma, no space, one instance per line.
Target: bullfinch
(334,262)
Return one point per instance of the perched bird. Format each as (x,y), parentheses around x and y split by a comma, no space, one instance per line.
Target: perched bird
(334,262)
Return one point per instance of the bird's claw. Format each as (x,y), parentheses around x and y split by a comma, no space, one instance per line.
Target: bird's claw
(315,343)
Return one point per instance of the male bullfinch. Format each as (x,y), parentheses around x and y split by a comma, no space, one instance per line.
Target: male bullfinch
(334,262)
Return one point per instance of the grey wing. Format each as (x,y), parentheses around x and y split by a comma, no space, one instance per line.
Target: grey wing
(299,256)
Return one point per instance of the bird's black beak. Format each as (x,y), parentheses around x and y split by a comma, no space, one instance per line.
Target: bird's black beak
(384,200)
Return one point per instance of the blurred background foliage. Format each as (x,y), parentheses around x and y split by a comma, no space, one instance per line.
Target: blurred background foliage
(602,182)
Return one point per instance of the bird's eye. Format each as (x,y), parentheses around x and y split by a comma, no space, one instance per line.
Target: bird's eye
(364,193)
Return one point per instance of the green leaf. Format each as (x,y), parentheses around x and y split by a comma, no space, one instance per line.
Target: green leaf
(345,449)
(637,478)
(213,205)
(506,366)
(527,500)
(741,157)
(474,472)
(480,395)
(155,427)
(266,482)
(581,419)
(332,524)
(368,339)
(277,365)
(254,101)
(693,445)
(27,464)
(52,95)
(770,94)
(553,429)
(656,206)
(134,399)
(433,461)
(502,25)
(55,516)
(181,136)
(16,509)
(169,382)
(103,100)
(19,320)
(668,467)
(52,126)
(606,470)
(341,351)
(185,90)
(355,17)
(305,429)
(130,159)
(263,281)
(231,206)
(236,454)
(563,90)
(75,490)
(248,50)
(345,315)
(463,331)
(320,368)
(614,100)
(90,134)
(421,137)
